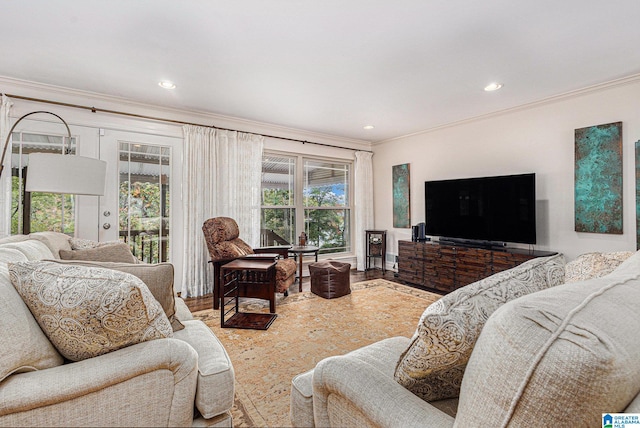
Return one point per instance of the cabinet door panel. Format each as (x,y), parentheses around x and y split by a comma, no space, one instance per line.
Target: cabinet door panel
(447,267)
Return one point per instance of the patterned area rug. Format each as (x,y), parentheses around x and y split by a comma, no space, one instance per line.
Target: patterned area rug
(308,329)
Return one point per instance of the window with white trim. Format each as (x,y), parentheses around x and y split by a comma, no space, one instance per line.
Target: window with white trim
(301,193)
(39,211)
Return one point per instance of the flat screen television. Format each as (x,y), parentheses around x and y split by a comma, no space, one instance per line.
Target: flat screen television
(489,210)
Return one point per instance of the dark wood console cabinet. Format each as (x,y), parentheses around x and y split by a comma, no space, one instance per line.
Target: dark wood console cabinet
(448,267)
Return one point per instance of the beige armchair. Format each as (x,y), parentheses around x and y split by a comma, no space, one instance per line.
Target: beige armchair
(184,380)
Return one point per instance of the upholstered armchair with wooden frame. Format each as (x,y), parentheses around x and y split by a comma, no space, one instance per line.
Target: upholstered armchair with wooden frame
(222,237)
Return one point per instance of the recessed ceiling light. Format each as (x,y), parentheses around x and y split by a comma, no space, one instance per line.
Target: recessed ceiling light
(166,84)
(493,87)
(368,127)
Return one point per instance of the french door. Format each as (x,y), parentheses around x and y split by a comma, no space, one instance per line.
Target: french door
(141,204)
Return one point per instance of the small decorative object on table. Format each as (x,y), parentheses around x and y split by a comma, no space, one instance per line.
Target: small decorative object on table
(375,245)
(376,242)
(302,240)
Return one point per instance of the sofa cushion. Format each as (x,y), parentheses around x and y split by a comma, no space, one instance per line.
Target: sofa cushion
(215,390)
(433,364)
(594,265)
(11,255)
(56,241)
(23,345)
(33,249)
(13,238)
(157,277)
(117,253)
(561,357)
(87,311)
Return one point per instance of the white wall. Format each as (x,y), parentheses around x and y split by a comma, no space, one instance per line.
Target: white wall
(539,139)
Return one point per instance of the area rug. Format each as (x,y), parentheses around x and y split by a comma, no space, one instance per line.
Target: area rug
(308,329)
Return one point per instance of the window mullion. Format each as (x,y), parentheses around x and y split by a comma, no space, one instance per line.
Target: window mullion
(299,195)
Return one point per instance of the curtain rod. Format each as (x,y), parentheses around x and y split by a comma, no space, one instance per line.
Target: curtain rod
(179,122)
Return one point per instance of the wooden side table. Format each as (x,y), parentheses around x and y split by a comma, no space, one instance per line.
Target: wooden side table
(376,246)
(257,278)
(298,252)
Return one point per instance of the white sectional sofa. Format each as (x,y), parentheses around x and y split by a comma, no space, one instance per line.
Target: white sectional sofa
(183,380)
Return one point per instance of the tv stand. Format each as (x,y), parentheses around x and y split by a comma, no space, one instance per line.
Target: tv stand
(471,243)
(446,267)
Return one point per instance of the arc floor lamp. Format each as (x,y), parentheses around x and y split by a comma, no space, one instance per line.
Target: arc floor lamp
(61,172)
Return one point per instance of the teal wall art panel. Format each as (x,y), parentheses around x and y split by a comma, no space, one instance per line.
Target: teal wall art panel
(598,179)
(637,195)
(401,196)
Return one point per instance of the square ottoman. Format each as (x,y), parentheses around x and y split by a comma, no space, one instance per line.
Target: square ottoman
(330,278)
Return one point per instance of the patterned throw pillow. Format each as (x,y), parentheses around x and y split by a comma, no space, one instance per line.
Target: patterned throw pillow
(86,311)
(594,265)
(157,277)
(433,364)
(85,244)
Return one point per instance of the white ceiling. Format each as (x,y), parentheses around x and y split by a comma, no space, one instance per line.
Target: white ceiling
(329,66)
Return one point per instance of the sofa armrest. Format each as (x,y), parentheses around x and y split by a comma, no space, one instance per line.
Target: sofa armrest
(157,378)
(345,380)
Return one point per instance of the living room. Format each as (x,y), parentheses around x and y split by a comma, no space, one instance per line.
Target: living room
(524,127)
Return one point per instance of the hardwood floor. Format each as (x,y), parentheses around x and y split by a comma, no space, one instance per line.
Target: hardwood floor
(205,302)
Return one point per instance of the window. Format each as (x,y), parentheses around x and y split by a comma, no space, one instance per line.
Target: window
(37,211)
(326,203)
(306,194)
(144,200)
(278,212)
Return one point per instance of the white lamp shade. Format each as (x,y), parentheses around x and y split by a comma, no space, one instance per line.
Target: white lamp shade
(56,173)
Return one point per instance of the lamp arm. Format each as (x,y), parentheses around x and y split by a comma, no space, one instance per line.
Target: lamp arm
(6,143)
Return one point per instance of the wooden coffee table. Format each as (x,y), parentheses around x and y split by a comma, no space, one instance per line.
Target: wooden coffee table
(257,279)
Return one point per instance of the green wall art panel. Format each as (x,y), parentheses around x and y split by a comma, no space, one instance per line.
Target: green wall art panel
(598,179)
(401,196)
(637,195)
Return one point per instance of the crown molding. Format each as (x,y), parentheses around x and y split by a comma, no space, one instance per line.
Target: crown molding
(75,96)
(634,78)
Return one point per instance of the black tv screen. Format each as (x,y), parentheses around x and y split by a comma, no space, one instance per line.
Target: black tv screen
(495,209)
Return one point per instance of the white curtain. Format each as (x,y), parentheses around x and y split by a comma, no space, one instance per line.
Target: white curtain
(221,177)
(239,181)
(363,201)
(5,179)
